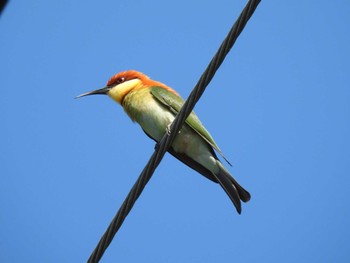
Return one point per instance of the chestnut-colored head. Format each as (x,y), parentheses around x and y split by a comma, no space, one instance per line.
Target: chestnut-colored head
(119,85)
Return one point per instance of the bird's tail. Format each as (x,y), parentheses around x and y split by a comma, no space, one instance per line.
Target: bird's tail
(233,189)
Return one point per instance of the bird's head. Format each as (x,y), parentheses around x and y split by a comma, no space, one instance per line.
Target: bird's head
(119,85)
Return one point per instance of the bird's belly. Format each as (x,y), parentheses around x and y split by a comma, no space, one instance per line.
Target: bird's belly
(154,119)
(187,141)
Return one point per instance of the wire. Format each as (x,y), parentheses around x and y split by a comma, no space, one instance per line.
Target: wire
(168,138)
(2,5)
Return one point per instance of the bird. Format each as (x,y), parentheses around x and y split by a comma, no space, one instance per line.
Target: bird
(154,105)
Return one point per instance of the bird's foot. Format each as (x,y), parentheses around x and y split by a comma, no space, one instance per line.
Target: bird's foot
(168,129)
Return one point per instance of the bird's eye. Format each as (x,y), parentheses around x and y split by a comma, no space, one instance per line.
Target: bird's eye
(120,80)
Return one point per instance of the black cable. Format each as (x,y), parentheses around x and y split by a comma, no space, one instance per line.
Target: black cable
(168,138)
(2,5)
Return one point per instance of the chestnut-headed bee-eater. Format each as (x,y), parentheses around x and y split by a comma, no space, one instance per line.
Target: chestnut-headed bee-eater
(153,105)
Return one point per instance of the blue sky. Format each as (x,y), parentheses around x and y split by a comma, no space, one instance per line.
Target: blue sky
(278,108)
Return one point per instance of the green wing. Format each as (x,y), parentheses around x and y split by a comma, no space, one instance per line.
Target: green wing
(174,103)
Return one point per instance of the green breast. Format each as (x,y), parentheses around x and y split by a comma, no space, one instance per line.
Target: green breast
(150,114)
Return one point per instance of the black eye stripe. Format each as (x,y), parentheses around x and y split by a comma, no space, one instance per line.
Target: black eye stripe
(120,80)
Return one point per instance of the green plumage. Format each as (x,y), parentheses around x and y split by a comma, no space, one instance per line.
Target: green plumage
(174,103)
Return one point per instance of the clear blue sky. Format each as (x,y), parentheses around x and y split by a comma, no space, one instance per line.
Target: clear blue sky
(279,108)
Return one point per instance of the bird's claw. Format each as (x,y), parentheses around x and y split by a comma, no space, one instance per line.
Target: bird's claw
(168,129)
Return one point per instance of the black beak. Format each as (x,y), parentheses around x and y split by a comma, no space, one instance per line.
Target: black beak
(103,91)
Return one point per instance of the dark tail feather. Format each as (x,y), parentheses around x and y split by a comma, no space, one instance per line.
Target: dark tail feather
(232,188)
(244,195)
(229,188)
(224,178)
